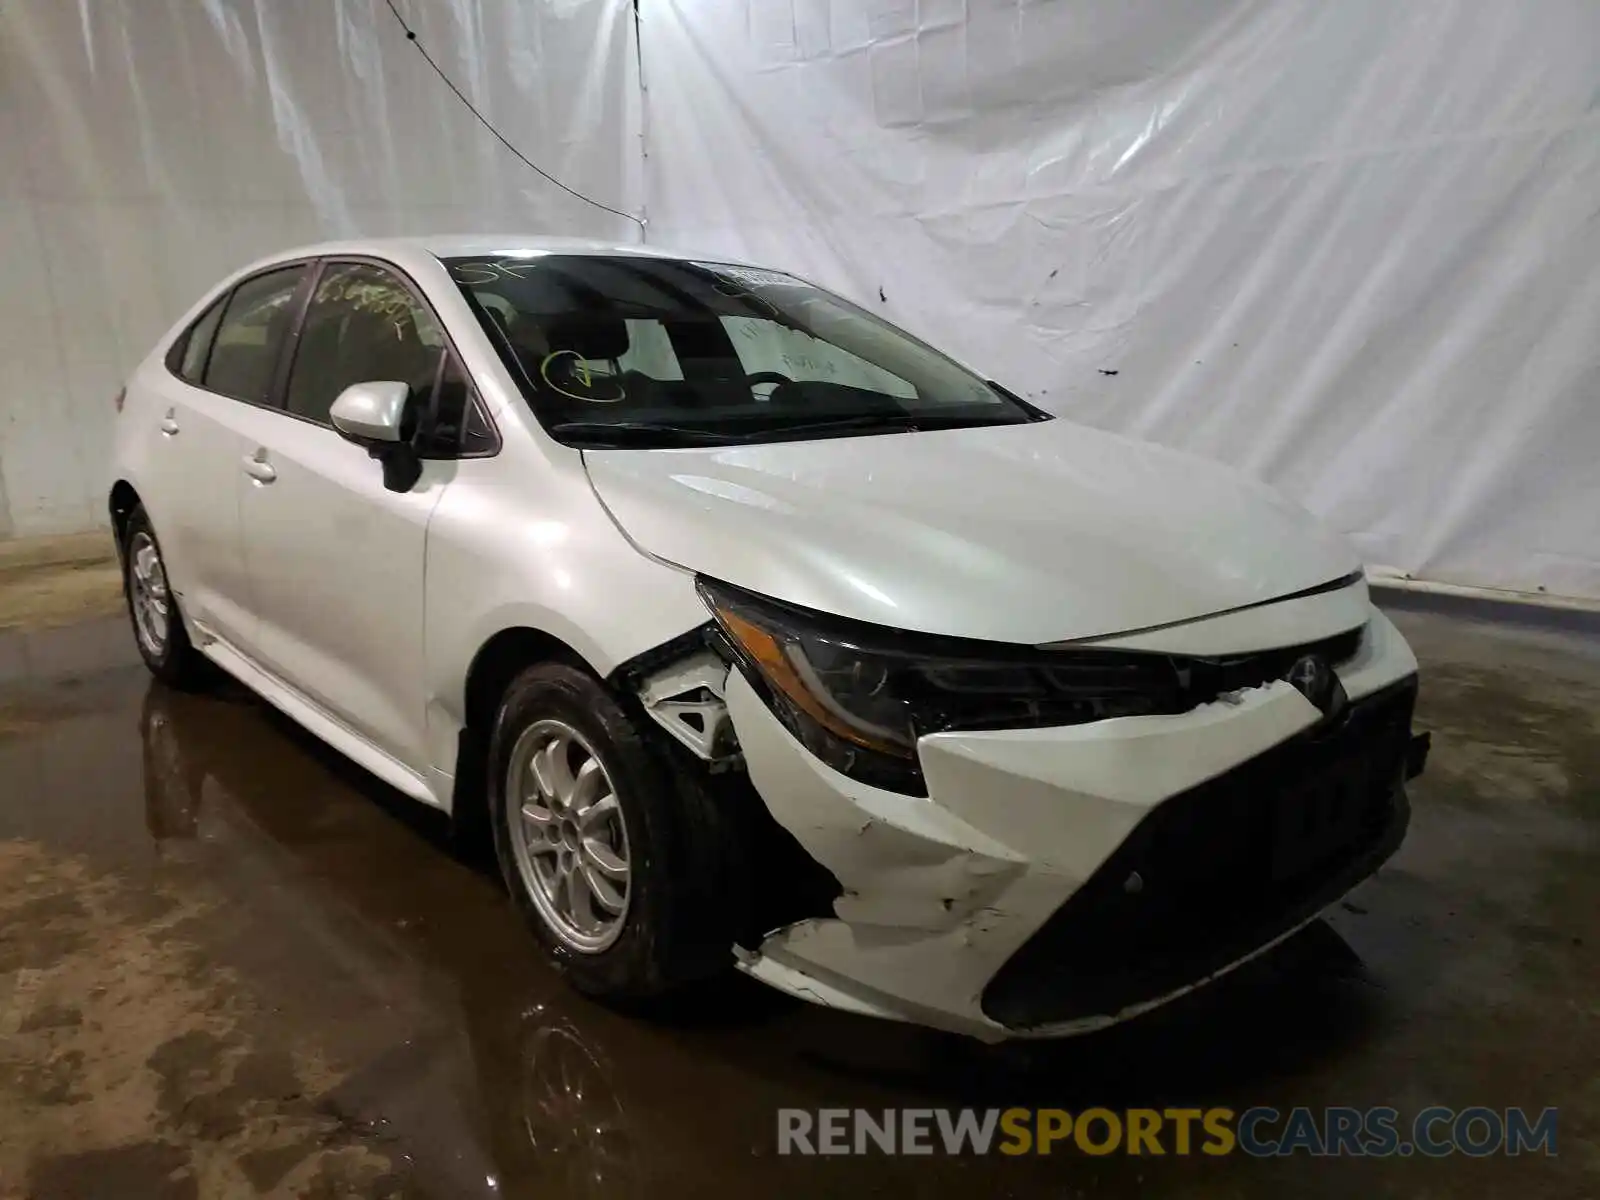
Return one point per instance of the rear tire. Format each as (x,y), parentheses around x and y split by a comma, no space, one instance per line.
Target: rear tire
(603,847)
(158,628)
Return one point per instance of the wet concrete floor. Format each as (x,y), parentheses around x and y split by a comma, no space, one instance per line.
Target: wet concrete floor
(233,965)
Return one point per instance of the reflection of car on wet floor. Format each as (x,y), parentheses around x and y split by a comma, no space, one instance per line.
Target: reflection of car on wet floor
(494,1086)
(761,633)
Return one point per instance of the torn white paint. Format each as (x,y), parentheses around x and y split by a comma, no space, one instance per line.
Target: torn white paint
(939,891)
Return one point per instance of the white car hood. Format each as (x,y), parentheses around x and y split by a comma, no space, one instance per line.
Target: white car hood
(1031,533)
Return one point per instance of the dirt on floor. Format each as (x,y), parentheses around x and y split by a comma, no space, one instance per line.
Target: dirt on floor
(232,964)
(47,583)
(116,1038)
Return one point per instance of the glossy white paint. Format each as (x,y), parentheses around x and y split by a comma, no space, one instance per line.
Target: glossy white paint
(191,447)
(369,606)
(336,565)
(1259,627)
(360,611)
(519,541)
(371,411)
(1015,533)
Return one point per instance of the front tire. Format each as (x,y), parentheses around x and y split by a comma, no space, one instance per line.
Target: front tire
(158,628)
(595,837)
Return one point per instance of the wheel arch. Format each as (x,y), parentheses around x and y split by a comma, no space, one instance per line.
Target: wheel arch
(499,660)
(121,501)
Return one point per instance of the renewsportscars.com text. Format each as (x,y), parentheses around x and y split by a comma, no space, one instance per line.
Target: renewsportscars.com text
(1261,1132)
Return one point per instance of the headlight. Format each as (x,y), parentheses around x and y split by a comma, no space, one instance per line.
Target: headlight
(858,696)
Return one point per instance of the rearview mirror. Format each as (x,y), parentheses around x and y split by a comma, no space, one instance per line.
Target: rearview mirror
(371,412)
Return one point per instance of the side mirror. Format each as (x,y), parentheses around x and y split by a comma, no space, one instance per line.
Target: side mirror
(371,412)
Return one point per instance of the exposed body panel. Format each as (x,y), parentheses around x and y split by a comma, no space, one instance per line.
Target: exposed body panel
(940,891)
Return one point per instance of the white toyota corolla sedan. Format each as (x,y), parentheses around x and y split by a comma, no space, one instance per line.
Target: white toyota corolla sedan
(760,632)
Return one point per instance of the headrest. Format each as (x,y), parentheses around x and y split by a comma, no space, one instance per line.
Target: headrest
(278,323)
(590,335)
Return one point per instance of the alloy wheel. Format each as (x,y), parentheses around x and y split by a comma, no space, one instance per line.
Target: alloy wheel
(568,835)
(147,594)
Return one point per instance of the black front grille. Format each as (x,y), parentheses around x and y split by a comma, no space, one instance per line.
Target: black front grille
(1214,676)
(1216,872)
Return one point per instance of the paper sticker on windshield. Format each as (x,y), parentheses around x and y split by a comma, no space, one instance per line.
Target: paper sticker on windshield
(577,378)
(750,277)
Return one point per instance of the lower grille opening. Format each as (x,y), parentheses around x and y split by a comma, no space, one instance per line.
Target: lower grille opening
(1215,872)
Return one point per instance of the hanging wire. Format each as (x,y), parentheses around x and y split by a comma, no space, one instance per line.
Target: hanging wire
(411,36)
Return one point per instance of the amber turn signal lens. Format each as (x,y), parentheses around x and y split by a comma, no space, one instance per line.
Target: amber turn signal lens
(769,656)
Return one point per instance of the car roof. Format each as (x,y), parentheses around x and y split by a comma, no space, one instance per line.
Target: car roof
(491,245)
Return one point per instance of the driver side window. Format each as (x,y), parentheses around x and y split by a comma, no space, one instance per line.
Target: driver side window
(362,325)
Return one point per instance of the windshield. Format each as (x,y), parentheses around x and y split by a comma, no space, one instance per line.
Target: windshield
(626,350)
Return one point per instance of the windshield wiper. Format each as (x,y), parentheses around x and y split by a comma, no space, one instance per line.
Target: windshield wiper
(885,423)
(623,434)
(639,433)
(1034,412)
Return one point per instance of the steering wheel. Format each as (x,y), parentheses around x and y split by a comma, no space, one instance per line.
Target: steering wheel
(761,378)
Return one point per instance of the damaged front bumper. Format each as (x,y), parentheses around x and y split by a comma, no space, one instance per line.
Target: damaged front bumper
(1054,881)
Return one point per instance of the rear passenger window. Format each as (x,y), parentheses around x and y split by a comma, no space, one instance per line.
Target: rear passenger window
(197,344)
(245,353)
(363,325)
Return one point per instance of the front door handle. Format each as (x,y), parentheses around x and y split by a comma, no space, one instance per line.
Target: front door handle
(259,469)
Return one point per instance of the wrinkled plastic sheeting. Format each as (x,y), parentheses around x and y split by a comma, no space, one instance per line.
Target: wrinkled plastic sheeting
(1352,248)
(151,146)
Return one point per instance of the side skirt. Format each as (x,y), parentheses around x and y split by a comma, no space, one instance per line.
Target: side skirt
(321,724)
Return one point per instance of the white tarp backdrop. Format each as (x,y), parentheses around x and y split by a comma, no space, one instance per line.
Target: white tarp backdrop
(148,147)
(1353,247)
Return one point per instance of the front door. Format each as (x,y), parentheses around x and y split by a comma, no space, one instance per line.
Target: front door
(335,559)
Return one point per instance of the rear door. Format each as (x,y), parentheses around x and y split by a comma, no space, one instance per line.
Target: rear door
(335,558)
(221,375)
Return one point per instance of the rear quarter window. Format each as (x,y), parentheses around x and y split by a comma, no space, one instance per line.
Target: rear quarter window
(187,359)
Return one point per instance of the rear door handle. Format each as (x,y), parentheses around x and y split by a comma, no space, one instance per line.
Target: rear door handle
(169,424)
(259,469)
